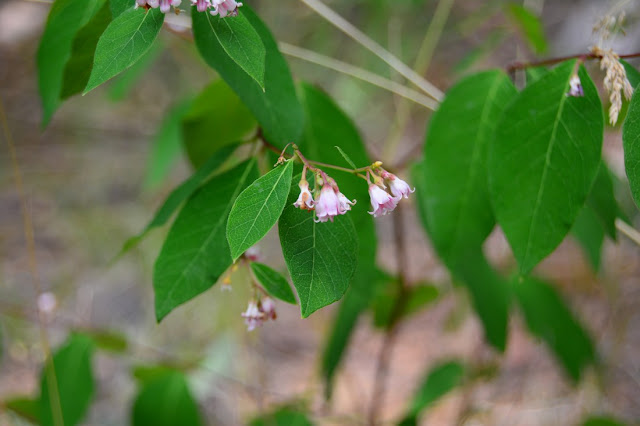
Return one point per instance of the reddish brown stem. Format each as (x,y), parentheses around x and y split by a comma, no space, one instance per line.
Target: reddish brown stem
(552,61)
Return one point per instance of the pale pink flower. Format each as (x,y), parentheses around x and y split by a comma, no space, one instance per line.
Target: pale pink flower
(225,7)
(253,317)
(344,203)
(327,205)
(201,5)
(381,201)
(305,199)
(268,308)
(399,188)
(253,254)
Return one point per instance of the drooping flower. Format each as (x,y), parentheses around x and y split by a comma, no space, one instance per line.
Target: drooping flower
(253,254)
(328,205)
(305,199)
(164,5)
(399,188)
(381,201)
(575,87)
(201,5)
(225,7)
(253,317)
(268,308)
(344,203)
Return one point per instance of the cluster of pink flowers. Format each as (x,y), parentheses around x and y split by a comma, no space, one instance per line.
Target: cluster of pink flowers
(216,7)
(257,313)
(330,203)
(382,201)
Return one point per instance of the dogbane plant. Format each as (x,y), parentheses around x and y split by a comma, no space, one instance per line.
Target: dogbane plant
(526,159)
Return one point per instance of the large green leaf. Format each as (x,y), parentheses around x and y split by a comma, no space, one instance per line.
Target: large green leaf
(326,127)
(590,234)
(67,388)
(181,193)
(127,38)
(78,69)
(119,6)
(65,19)
(633,75)
(631,145)
(258,208)
(27,408)
(272,281)
(602,201)
(321,257)
(165,400)
(440,380)
(196,252)
(216,118)
(543,162)
(455,193)
(529,25)
(275,106)
(549,318)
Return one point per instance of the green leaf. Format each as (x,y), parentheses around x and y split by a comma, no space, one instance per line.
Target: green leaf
(166,401)
(529,25)
(107,340)
(489,294)
(543,161)
(602,201)
(216,118)
(439,381)
(127,38)
(78,69)
(346,157)
(455,193)
(283,417)
(65,19)
(534,74)
(602,421)
(122,84)
(321,257)
(27,408)
(258,208)
(119,6)
(67,388)
(272,281)
(241,43)
(181,193)
(166,145)
(276,107)
(549,318)
(589,232)
(633,75)
(387,297)
(631,145)
(196,252)
(147,373)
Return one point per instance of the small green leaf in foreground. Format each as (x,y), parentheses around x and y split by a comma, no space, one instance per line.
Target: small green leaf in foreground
(631,145)
(258,208)
(272,281)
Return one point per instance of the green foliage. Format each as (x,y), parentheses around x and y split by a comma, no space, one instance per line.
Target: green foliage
(127,38)
(111,341)
(119,6)
(549,318)
(455,193)
(165,400)
(439,381)
(631,145)
(166,145)
(602,201)
(543,161)
(122,84)
(282,417)
(216,118)
(67,388)
(387,297)
(321,257)
(529,25)
(273,282)
(196,252)
(180,194)
(275,105)
(633,75)
(258,208)
(589,233)
(65,19)
(602,421)
(27,408)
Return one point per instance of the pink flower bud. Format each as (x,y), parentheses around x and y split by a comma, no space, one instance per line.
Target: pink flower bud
(399,188)
(381,201)
(253,317)
(225,7)
(268,308)
(305,199)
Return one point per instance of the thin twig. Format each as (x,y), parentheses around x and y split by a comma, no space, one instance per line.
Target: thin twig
(359,73)
(52,381)
(552,61)
(346,27)
(630,232)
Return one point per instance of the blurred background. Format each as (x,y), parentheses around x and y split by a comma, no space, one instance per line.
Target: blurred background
(88,188)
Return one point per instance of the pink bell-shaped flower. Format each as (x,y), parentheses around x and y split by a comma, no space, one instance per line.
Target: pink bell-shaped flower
(305,199)
(327,205)
(381,201)
(253,317)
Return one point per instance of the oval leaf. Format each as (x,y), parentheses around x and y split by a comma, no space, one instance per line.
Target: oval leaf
(196,252)
(65,19)
(275,105)
(273,282)
(164,401)
(543,162)
(258,208)
(631,145)
(127,38)
(72,381)
(456,197)
(321,257)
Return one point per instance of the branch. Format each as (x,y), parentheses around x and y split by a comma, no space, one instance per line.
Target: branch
(628,231)
(552,61)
